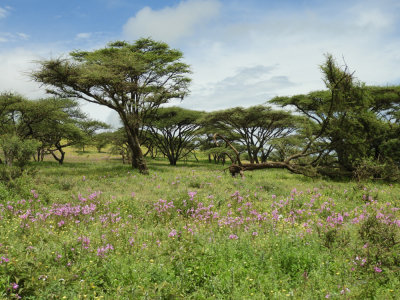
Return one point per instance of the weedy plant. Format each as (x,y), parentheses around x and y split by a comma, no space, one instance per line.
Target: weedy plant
(96,229)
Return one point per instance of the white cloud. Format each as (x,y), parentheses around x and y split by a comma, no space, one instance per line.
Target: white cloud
(292,44)
(371,14)
(83,35)
(171,23)
(10,37)
(242,56)
(23,36)
(15,65)
(249,86)
(4,12)
(373,18)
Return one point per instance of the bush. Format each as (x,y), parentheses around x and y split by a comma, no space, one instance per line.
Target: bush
(17,151)
(368,168)
(9,173)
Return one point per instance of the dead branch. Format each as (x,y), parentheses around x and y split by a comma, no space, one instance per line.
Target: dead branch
(240,167)
(228,143)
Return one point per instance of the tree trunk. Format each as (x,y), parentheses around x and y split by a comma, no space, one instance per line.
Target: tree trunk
(194,154)
(59,159)
(250,154)
(172,158)
(138,161)
(255,157)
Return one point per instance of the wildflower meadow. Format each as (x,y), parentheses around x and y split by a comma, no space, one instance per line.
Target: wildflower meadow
(94,229)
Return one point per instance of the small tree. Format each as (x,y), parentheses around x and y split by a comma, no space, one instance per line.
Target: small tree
(17,151)
(101,140)
(55,123)
(89,128)
(119,145)
(132,79)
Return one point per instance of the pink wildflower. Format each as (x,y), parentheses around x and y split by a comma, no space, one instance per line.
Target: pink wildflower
(233,237)
(377,269)
(173,233)
(14,285)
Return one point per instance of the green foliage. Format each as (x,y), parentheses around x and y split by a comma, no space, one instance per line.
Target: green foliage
(9,173)
(101,140)
(255,128)
(134,79)
(368,168)
(174,131)
(349,122)
(376,233)
(16,151)
(89,128)
(53,122)
(271,234)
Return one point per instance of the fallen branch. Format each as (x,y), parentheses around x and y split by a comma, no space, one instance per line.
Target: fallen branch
(235,169)
(240,167)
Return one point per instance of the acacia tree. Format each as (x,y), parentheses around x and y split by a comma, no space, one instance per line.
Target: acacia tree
(254,127)
(352,122)
(101,140)
(213,151)
(55,122)
(174,130)
(321,109)
(89,128)
(132,79)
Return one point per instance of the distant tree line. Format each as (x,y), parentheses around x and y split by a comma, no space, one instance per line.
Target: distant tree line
(348,129)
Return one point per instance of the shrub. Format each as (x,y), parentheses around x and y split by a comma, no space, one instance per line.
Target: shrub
(368,168)
(17,151)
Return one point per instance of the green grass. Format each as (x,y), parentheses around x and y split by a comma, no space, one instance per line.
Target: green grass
(93,228)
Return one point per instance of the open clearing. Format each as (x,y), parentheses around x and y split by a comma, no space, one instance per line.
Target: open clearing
(93,228)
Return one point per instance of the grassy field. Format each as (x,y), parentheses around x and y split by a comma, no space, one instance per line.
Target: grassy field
(94,229)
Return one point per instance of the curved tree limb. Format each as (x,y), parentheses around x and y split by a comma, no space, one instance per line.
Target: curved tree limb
(228,143)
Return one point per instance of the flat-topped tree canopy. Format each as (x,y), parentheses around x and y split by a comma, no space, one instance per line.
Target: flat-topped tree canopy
(174,131)
(133,79)
(254,127)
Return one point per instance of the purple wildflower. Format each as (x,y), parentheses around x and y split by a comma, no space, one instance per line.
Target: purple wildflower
(173,233)
(377,269)
(233,237)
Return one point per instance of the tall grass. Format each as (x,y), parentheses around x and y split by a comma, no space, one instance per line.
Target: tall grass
(93,228)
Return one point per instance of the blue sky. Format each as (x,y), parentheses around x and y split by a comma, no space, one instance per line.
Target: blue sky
(242,53)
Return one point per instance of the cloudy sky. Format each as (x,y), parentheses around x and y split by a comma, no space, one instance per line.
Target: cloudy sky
(242,53)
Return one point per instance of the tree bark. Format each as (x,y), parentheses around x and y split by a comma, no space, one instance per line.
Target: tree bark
(61,159)
(138,160)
